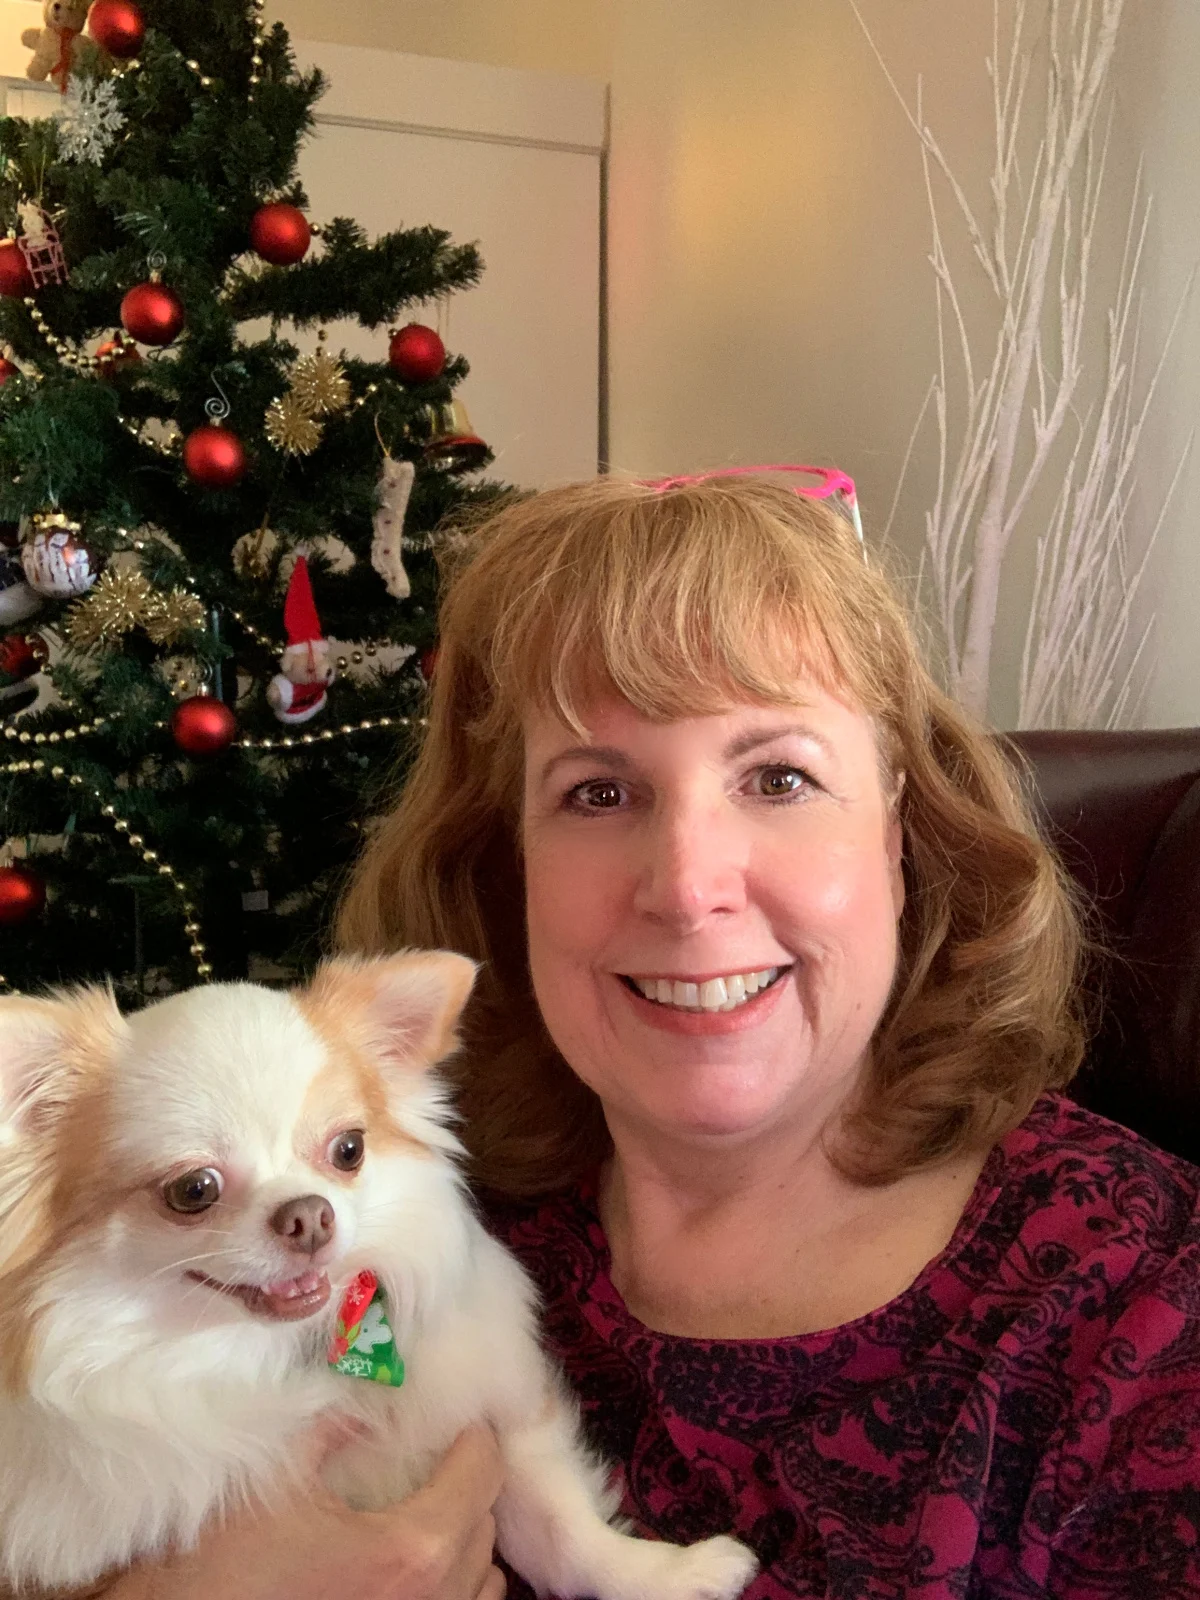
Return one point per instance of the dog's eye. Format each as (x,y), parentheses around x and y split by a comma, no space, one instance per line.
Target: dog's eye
(346,1152)
(194,1192)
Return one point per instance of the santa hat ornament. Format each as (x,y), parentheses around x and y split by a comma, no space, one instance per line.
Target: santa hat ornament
(297,693)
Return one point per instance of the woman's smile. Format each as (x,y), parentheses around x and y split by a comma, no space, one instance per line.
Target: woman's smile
(707,1005)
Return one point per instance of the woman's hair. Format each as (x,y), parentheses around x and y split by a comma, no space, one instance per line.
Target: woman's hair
(684,602)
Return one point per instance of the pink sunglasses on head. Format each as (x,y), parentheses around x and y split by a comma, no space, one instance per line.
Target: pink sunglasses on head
(831,482)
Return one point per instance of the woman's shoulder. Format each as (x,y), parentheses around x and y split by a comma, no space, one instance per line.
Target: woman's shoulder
(1080,1217)
(1086,1175)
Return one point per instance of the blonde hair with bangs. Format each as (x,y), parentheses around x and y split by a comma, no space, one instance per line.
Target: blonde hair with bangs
(685,602)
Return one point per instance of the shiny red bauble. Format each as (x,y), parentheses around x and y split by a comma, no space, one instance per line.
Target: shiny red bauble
(280,233)
(15,277)
(117,26)
(152,313)
(428,662)
(21,655)
(8,369)
(203,726)
(22,895)
(114,354)
(214,457)
(417,354)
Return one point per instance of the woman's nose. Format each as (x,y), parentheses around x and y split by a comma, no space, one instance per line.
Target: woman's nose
(694,867)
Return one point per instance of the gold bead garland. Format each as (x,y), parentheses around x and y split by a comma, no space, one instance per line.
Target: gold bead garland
(367,725)
(69,357)
(256,59)
(23,735)
(121,825)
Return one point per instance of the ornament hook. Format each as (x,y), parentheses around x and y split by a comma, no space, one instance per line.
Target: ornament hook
(217,410)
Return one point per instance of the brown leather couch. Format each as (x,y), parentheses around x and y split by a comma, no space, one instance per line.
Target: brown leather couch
(1124,811)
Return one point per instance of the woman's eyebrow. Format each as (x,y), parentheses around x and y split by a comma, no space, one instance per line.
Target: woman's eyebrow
(608,754)
(754,740)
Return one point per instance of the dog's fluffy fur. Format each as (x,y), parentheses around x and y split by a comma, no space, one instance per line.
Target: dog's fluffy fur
(140,1400)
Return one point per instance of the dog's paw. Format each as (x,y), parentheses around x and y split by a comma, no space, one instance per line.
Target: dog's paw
(716,1569)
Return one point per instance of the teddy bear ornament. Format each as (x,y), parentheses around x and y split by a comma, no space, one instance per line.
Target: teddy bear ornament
(60,46)
(297,692)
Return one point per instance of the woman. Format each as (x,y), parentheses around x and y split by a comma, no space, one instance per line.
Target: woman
(777,977)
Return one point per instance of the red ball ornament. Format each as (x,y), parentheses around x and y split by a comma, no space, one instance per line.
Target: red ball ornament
(152,313)
(22,895)
(280,233)
(214,457)
(15,278)
(203,726)
(8,369)
(22,655)
(417,354)
(428,662)
(117,26)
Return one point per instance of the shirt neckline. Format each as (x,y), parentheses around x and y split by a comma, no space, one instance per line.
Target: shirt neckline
(988,1188)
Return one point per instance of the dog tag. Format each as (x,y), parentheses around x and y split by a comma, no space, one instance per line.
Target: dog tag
(363,1345)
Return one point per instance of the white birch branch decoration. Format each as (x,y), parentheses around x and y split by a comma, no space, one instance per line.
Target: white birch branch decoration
(1024,397)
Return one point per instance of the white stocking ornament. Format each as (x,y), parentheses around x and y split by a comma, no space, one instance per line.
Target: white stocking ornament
(387,547)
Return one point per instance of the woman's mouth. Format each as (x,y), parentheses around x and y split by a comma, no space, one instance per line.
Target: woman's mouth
(285,1300)
(706,995)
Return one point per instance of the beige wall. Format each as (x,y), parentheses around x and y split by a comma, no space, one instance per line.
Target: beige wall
(544,35)
(770,294)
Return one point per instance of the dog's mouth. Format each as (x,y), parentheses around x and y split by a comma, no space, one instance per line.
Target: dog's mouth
(285,1300)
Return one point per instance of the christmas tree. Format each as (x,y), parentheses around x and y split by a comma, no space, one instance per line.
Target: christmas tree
(201,520)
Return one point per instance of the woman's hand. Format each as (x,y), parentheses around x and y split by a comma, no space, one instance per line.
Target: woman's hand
(436,1545)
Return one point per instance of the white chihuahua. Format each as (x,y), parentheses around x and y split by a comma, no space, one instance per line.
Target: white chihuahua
(196,1205)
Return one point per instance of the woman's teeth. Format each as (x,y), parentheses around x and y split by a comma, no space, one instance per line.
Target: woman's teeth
(714,994)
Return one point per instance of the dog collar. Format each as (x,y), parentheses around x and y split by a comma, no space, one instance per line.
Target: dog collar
(363,1345)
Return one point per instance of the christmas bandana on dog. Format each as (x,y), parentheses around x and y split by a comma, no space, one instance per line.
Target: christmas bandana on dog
(363,1345)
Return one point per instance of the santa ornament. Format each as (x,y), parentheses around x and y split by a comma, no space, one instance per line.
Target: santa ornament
(298,691)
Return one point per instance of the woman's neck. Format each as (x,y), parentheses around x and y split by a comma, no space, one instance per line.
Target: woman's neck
(764,1244)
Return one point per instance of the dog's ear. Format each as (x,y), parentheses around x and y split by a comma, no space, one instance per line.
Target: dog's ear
(409,1005)
(50,1048)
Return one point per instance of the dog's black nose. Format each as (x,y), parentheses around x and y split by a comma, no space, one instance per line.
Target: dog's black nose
(304,1225)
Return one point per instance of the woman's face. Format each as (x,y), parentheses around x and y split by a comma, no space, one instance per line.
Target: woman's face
(712,909)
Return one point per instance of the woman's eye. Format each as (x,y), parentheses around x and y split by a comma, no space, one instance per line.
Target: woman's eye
(598,794)
(193,1192)
(777,783)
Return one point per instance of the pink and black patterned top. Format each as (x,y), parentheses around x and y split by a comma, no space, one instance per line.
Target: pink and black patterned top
(1023,1421)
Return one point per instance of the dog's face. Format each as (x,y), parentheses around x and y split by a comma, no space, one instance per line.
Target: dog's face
(229,1154)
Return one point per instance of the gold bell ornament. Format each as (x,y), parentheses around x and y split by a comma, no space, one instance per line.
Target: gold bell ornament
(454,445)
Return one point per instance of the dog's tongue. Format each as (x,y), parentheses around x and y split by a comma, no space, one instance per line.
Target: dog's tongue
(290,1299)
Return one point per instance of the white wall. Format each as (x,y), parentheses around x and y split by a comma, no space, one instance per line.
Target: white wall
(1160,115)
